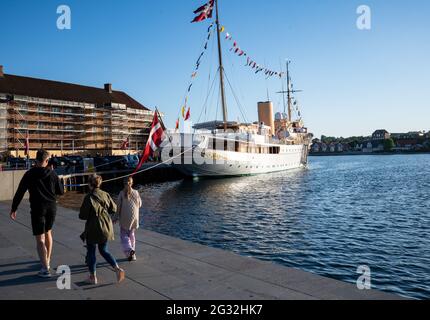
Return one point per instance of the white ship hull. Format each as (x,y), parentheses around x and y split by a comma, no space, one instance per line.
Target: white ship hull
(225,163)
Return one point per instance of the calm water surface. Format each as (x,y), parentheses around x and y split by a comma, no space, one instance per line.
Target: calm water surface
(340,213)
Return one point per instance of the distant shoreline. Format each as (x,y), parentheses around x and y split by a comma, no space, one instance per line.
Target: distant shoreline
(339,154)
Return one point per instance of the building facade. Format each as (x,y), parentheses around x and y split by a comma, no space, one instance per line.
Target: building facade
(381,135)
(68,118)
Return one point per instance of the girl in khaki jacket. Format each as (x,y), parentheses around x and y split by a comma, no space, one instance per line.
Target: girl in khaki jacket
(129,203)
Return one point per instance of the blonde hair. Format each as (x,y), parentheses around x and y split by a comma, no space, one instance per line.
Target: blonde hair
(95,181)
(128,184)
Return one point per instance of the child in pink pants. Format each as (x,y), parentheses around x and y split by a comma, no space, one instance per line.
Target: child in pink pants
(129,203)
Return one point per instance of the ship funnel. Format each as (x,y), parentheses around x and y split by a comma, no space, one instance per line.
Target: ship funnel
(265,115)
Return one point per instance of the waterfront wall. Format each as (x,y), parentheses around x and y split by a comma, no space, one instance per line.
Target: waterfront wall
(9,184)
(10,180)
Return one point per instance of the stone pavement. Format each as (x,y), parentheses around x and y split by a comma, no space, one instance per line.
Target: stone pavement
(167,268)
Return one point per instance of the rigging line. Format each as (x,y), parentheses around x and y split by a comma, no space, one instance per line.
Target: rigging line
(211,99)
(203,89)
(209,86)
(241,109)
(129,175)
(210,71)
(266,83)
(193,80)
(207,98)
(234,80)
(218,105)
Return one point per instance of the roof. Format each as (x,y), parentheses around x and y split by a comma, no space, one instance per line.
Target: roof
(47,89)
(216,125)
(381,131)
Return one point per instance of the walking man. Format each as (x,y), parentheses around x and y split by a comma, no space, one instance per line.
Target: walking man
(43,185)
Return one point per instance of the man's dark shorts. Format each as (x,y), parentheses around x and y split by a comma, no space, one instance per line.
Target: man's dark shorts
(43,218)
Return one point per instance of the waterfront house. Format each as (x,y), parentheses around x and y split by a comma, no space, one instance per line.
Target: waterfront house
(359,147)
(381,135)
(339,147)
(378,146)
(346,147)
(373,146)
(408,135)
(367,147)
(324,147)
(316,147)
(406,144)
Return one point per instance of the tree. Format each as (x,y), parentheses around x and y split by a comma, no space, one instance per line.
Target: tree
(389,145)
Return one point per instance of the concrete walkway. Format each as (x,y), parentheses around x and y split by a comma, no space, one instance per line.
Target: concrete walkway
(168,268)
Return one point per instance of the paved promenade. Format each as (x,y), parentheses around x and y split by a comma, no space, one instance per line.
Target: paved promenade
(167,268)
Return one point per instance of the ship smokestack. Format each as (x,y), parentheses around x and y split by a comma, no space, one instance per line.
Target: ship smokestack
(265,115)
(1,72)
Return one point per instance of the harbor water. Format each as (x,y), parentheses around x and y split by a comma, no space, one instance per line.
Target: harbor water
(338,214)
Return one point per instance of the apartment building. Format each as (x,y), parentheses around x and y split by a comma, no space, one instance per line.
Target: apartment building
(68,118)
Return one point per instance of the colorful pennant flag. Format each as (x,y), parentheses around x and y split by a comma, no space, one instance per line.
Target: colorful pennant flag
(188,116)
(204,12)
(237,50)
(183,112)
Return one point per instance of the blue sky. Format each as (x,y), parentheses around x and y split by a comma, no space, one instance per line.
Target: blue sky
(354,81)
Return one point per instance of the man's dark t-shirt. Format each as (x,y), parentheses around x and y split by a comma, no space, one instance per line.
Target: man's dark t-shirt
(43,185)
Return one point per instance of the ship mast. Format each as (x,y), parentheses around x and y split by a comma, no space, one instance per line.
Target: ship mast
(221,69)
(289,93)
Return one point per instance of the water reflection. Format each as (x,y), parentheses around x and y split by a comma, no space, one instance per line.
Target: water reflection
(339,213)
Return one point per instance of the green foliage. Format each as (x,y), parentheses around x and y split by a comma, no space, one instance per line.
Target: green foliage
(351,141)
(389,145)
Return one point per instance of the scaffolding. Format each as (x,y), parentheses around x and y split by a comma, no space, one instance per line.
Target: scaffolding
(65,127)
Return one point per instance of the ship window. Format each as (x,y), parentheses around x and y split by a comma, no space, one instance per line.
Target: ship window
(223,145)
